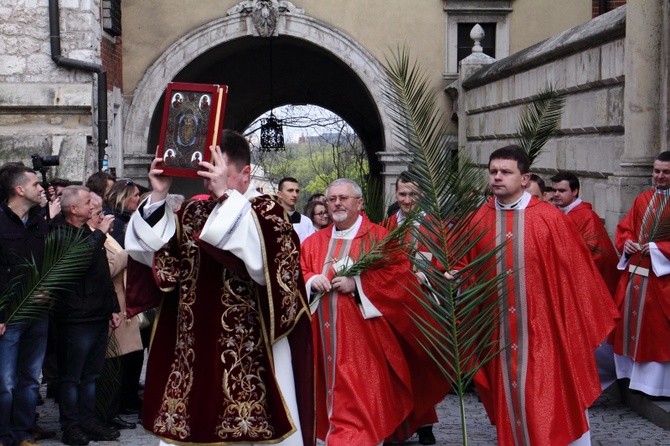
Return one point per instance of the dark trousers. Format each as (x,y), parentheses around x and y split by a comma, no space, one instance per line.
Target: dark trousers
(22,350)
(81,356)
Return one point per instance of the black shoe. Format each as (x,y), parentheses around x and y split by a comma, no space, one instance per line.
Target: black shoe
(39,433)
(75,436)
(98,431)
(426,435)
(119,423)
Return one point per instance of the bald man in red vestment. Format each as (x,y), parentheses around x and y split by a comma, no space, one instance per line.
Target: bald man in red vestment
(555,311)
(364,385)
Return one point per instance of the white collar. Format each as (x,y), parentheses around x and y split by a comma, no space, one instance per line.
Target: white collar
(348,234)
(571,206)
(521,203)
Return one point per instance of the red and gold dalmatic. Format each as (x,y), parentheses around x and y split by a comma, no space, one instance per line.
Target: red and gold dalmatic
(211,378)
(364,387)
(644,298)
(555,311)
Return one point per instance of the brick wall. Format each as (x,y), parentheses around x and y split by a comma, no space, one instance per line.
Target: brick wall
(611,4)
(111,54)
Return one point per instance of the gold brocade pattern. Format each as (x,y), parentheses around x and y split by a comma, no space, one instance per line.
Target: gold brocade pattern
(173,416)
(286,267)
(243,382)
(245,413)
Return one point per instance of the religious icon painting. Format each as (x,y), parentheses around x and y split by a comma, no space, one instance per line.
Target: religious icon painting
(192,122)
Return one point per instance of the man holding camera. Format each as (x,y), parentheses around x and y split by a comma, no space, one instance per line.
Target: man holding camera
(22,344)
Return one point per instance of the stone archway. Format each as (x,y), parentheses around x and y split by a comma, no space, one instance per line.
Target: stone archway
(230,38)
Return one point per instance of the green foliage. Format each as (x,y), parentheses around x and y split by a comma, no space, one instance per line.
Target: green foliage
(539,121)
(67,255)
(450,192)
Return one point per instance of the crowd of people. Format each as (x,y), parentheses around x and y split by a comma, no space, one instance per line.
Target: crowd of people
(255,334)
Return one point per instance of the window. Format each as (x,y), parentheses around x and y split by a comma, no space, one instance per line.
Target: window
(111,17)
(465,43)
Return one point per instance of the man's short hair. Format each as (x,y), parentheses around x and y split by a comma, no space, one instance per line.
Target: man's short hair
(236,147)
(12,175)
(540,182)
(286,180)
(570,177)
(404,177)
(514,153)
(358,192)
(663,156)
(70,196)
(98,182)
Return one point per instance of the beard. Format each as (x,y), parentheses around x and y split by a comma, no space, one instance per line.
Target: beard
(339,216)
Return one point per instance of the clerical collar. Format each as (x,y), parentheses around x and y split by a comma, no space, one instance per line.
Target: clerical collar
(294,217)
(400,217)
(663,191)
(571,206)
(521,203)
(348,234)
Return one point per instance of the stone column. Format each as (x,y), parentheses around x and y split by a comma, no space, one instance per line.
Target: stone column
(642,69)
(642,117)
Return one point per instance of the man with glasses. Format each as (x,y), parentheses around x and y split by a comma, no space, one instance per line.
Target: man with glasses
(361,325)
(84,314)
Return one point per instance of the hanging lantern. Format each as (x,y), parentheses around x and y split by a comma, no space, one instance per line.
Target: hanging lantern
(272,134)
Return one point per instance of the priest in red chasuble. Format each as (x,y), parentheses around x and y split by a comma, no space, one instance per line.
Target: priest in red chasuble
(362,327)
(642,351)
(555,311)
(230,361)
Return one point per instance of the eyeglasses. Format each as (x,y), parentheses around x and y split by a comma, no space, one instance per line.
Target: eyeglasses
(129,182)
(100,214)
(334,198)
(321,214)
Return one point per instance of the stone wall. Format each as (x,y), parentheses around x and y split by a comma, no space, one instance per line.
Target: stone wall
(45,109)
(586,63)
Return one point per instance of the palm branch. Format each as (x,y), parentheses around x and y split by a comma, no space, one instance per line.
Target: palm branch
(539,120)
(461,337)
(67,255)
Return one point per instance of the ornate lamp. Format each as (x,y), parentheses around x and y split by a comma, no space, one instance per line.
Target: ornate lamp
(272,134)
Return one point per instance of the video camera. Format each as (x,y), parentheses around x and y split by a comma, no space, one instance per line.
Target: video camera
(44,162)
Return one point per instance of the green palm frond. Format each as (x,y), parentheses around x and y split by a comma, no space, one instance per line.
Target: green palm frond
(67,255)
(460,339)
(539,120)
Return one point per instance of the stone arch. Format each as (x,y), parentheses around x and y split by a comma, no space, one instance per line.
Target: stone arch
(349,53)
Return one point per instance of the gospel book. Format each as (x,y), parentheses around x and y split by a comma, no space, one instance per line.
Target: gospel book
(192,122)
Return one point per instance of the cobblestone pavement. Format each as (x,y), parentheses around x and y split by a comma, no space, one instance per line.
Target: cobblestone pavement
(612,424)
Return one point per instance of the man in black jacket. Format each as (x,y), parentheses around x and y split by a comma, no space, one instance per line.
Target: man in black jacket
(22,344)
(83,315)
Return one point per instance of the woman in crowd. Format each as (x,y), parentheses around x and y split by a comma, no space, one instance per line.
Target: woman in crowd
(123,199)
(317,212)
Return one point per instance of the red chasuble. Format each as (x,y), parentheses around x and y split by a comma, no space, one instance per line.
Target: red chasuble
(644,301)
(210,375)
(556,311)
(364,387)
(595,235)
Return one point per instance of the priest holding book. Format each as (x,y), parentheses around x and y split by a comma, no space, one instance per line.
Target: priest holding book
(231,358)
